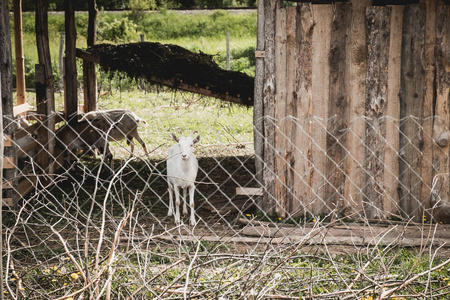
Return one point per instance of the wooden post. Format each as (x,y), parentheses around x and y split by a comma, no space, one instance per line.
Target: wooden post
(47,107)
(258,105)
(412,97)
(268,200)
(89,74)
(42,131)
(70,95)
(6,85)
(18,44)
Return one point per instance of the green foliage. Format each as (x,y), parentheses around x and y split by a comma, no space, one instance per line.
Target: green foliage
(119,30)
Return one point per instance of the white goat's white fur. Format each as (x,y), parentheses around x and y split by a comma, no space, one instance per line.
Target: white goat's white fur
(119,124)
(182,168)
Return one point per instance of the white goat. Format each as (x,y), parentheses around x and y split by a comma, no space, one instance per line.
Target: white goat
(182,168)
(118,124)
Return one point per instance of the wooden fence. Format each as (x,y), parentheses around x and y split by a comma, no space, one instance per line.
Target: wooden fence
(356,112)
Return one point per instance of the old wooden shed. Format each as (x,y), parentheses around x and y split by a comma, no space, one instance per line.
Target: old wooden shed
(352,108)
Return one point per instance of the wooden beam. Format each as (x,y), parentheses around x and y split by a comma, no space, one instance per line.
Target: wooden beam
(71,89)
(247,191)
(7,141)
(84,55)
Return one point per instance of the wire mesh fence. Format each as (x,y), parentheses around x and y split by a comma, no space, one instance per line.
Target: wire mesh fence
(333,219)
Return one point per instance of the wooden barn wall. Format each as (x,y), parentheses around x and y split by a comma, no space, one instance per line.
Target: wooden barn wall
(356,109)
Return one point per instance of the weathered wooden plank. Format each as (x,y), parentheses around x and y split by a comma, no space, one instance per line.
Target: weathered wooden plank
(412,96)
(280,112)
(390,196)
(378,25)
(337,124)
(301,106)
(291,70)
(246,191)
(357,57)
(268,200)
(428,105)
(8,163)
(20,109)
(320,88)
(7,141)
(441,132)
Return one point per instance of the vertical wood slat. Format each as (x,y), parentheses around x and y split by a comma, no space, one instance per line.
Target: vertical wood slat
(428,105)
(70,66)
(378,22)
(412,96)
(357,58)
(267,204)
(291,69)
(391,175)
(280,112)
(337,108)
(18,46)
(301,110)
(441,130)
(321,39)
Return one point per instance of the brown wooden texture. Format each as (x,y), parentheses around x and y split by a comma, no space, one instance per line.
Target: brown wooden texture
(42,131)
(301,105)
(428,105)
(441,188)
(337,125)
(390,179)
(6,85)
(280,112)
(89,74)
(412,96)
(378,26)
(70,95)
(268,202)
(292,47)
(320,89)
(18,46)
(357,70)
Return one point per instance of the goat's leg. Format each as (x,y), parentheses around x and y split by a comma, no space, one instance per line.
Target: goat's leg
(177,204)
(184,202)
(191,204)
(138,138)
(170,189)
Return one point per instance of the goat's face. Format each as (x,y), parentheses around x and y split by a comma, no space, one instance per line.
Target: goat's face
(186,144)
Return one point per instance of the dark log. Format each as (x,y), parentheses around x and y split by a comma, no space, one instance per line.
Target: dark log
(89,74)
(70,95)
(18,45)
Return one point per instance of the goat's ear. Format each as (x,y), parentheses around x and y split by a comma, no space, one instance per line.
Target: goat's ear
(174,137)
(197,139)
